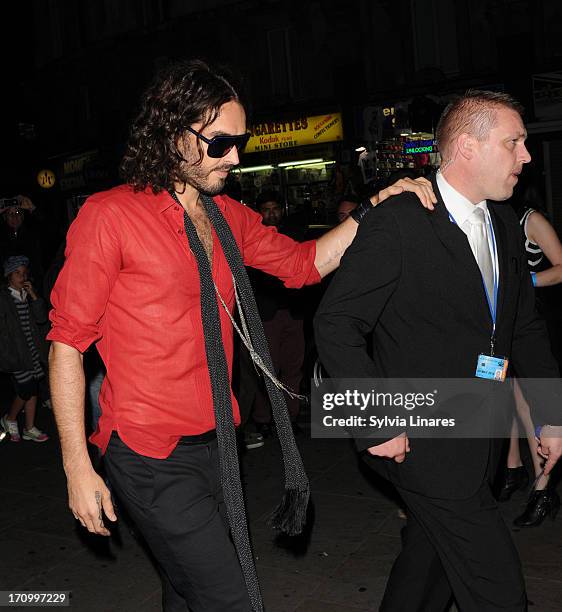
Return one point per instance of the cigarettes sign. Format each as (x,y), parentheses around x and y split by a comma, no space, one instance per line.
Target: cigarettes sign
(294,133)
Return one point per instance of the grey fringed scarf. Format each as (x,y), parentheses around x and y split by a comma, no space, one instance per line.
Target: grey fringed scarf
(290,515)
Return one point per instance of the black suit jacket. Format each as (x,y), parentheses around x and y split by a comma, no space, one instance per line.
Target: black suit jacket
(410,276)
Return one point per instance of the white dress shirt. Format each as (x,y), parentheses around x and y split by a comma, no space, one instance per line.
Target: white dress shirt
(460,209)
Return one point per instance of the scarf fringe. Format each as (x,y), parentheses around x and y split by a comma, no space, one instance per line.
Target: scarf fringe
(290,516)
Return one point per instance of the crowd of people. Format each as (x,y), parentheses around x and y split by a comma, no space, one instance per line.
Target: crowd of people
(168,265)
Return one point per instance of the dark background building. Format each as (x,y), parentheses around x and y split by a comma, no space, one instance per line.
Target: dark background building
(74,71)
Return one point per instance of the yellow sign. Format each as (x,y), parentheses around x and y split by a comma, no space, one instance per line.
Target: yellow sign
(295,133)
(46,178)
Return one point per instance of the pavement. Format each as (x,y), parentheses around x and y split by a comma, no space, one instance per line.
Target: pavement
(340,565)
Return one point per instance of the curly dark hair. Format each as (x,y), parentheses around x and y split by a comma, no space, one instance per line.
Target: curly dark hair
(183,93)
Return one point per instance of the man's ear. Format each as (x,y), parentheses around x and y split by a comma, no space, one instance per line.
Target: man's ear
(466,145)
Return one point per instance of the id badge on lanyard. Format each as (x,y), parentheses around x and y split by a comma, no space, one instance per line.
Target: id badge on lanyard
(491,367)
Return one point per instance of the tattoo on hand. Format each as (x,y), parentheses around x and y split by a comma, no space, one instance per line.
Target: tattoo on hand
(98,502)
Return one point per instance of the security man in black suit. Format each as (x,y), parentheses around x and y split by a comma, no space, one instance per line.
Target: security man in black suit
(437,295)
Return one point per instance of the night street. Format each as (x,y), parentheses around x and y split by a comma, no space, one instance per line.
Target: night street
(205,205)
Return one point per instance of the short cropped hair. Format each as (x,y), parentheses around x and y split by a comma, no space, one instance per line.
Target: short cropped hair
(473,113)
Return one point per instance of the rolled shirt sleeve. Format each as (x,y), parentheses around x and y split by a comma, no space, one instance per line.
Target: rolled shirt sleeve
(92,264)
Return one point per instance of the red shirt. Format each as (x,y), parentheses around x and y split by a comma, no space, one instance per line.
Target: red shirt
(131,285)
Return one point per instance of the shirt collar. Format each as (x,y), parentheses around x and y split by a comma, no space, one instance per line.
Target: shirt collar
(459,207)
(165,200)
(20,297)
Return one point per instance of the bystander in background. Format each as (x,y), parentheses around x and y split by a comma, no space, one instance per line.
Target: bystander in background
(282,316)
(20,235)
(344,208)
(23,348)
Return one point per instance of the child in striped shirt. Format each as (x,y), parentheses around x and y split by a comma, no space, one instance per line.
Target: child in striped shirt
(23,348)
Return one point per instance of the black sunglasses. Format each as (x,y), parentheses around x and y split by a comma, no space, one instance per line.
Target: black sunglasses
(219,146)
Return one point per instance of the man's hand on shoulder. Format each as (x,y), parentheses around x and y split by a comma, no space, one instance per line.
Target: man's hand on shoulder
(550,446)
(89,499)
(392,449)
(420,186)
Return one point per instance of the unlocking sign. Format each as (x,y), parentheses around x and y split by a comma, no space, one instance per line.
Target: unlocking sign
(419,146)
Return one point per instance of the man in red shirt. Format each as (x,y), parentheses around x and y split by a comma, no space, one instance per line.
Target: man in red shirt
(139,260)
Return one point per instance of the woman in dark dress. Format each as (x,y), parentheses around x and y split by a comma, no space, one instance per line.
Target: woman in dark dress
(544,256)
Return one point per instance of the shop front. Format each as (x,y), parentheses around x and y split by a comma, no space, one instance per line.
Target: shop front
(415,151)
(399,139)
(297,157)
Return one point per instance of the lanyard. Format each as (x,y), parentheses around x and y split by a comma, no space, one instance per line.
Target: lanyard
(492,306)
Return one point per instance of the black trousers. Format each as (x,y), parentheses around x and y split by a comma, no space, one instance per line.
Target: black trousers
(178,507)
(459,548)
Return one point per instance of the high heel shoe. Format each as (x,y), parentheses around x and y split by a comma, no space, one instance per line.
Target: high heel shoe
(540,505)
(514,479)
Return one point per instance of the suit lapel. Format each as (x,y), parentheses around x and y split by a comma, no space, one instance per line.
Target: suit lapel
(456,243)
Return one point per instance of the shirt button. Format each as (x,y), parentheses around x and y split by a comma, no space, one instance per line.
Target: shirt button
(176,207)
(180,231)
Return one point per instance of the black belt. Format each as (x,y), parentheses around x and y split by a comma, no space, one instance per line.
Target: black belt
(203,438)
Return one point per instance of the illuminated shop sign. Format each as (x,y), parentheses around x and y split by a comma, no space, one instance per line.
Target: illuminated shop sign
(82,171)
(294,133)
(46,178)
(420,146)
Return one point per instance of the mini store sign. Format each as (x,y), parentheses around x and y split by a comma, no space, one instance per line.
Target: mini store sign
(275,135)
